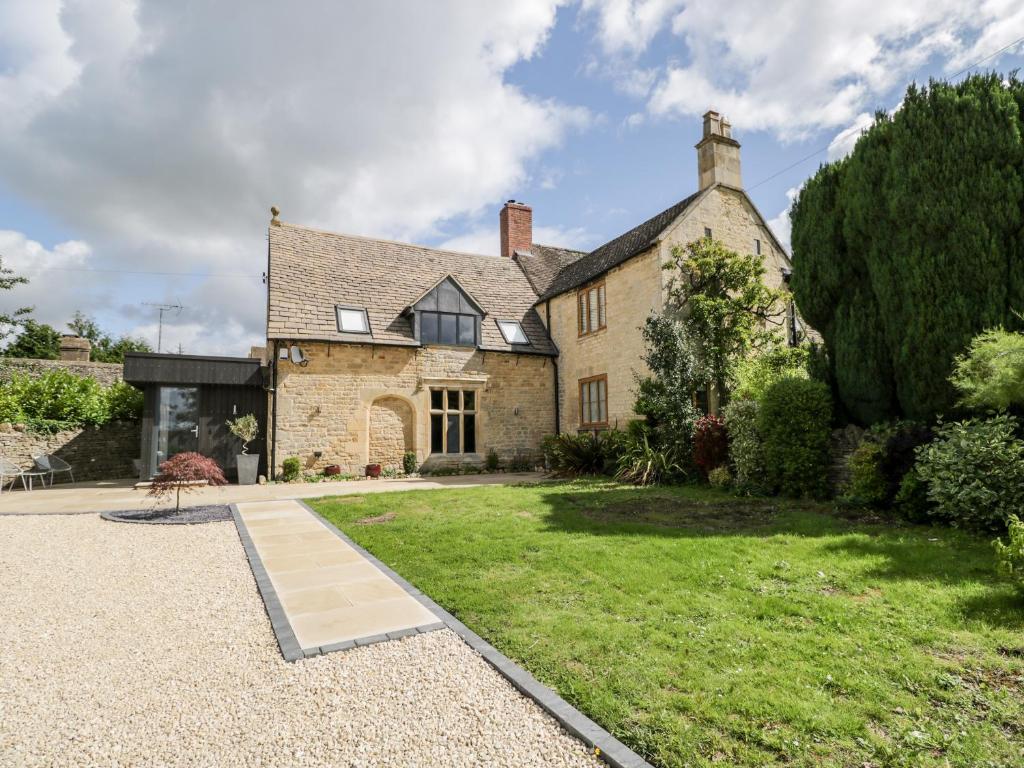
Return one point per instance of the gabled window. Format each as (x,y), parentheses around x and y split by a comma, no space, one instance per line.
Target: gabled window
(590,307)
(352,319)
(513,332)
(447,315)
(594,401)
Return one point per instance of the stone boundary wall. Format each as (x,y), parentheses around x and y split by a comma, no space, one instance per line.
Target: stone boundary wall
(104,373)
(94,453)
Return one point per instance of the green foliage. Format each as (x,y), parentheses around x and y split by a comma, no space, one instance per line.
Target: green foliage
(124,402)
(867,484)
(990,374)
(105,349)
(185,472)
(911,500)
(975,472)
(710,444)
(409,462)
(746,447)
(910,246)
(720,477)
(37,341)
(245,428)
(757,372)
(1010,556)
(722,299)
(585,453)
(9,280)
(794,422)
(641,463)
(521,463)
(491,461)
(291,468)
(666,397)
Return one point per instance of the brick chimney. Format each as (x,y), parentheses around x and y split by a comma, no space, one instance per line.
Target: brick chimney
(718,154)
(75,348)
(516,228)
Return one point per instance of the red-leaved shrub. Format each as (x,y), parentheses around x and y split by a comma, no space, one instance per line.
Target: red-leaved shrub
(710,444)
(181,471)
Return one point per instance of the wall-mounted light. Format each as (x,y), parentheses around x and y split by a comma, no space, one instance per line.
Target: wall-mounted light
(298,357)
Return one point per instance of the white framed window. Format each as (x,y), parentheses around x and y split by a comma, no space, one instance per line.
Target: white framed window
(352,320)
(512,331)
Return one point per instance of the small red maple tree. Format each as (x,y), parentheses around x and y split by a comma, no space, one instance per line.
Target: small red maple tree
(182,471)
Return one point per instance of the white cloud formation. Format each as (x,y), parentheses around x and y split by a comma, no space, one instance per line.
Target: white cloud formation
(161,132)
(487,240)
(780,225)
(798,67)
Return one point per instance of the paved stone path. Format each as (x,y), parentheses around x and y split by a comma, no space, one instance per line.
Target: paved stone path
(331,597)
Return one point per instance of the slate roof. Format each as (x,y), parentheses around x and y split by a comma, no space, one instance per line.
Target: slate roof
(311,271)
(542,263)
(614,252)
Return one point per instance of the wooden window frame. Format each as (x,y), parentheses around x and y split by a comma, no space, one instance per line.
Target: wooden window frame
(584,424)
(444,411)
(584,309)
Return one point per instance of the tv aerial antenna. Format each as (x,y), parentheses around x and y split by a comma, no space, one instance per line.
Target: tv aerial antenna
(160,325)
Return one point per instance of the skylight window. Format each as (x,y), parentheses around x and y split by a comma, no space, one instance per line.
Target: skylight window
(513,332)
(353,320)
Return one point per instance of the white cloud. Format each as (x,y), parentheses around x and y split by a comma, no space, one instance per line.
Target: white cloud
(780,225)
(487,240)
(798,67)
(162,132)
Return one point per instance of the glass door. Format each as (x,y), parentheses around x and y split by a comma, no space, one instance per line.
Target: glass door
(177,423)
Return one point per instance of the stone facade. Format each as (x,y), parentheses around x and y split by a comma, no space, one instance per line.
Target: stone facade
(357,403)
(95,453)
(104,373)
(636,288)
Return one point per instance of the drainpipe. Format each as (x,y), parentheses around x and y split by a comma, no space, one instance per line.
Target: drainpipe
(273,417)
(554,368)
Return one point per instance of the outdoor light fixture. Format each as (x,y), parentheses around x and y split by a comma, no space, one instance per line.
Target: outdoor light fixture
(298,356)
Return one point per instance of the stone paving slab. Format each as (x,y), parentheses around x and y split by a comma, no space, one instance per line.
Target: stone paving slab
(328,593)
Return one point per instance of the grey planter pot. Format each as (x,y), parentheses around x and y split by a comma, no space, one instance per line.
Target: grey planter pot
(248,468)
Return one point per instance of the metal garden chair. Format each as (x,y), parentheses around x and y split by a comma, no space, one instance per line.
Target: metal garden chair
(51,465)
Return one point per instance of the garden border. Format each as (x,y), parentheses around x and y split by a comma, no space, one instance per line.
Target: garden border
(606,746)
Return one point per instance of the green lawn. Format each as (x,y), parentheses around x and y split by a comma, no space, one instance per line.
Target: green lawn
(699,628)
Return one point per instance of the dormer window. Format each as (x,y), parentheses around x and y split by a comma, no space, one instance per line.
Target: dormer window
(513,332)
(447,315)
(352,320)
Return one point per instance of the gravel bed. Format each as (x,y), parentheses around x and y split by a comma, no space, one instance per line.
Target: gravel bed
(131,645)
(210,513)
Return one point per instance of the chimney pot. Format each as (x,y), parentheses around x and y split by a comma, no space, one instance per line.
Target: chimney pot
(516,220)
(75,348)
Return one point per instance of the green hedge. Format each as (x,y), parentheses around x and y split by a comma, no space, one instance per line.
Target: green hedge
(795,425)
(60,400)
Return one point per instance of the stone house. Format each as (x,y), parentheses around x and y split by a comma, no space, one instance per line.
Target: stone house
(380,348)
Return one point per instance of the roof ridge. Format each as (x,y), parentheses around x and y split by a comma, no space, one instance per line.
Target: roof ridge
(367,238)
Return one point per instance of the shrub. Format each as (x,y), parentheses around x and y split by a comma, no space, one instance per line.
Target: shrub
(641,463)
(520,463)
(245,428)
(867,484)
(911,500)
(1010,556)
(60,400)
(491,461)
(124,402)
(975,472)
(795,422)
(710,444)
(756,373)
(990,374)
(409,463)
(720,477)
(290,468)
(178,472)
(586,453)
(900,452)
(746,448)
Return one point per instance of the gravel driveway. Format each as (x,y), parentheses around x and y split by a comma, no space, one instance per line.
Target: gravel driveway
(132,645)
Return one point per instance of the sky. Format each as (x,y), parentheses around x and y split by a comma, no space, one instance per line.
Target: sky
(142,143)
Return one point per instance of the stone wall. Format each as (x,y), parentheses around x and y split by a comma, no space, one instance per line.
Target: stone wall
(95,453)
(105,373)
(328,406)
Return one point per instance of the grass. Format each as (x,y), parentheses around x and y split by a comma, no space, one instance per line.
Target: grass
(702,629)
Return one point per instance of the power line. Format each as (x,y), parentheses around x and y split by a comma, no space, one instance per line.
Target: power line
(816,152)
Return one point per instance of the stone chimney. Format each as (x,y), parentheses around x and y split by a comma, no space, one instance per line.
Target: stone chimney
(718,154)
(516,228)
(75,348)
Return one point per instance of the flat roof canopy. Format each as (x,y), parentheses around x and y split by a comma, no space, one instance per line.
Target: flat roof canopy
(141,368)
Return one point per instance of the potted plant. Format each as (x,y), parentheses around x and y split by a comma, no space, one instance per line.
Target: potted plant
(373,470)
(245,428)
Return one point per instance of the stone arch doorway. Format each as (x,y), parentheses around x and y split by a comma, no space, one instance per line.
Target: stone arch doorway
(391,431)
